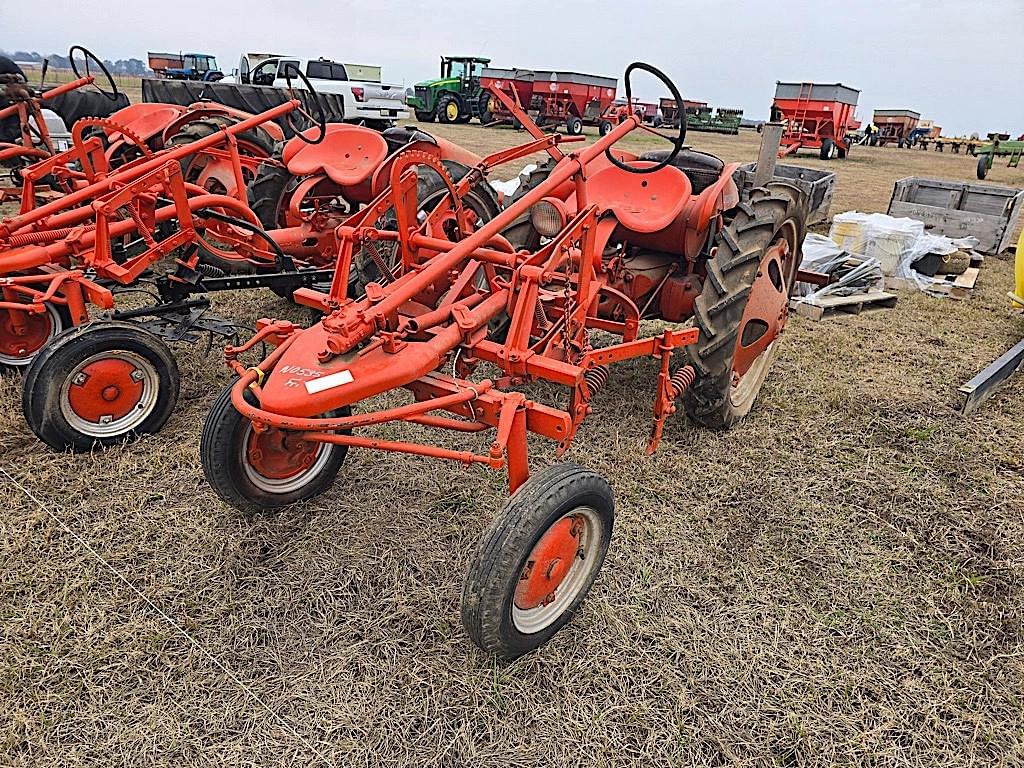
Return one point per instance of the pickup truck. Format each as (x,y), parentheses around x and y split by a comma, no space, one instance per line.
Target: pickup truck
(366,99)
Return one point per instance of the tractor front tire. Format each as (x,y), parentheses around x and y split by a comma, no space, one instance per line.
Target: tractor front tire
(425,116)
(289,470)
(721,396)
(100,384)
(537,560)
(449,109)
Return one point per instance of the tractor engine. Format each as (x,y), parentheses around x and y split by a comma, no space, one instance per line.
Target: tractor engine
(654,281)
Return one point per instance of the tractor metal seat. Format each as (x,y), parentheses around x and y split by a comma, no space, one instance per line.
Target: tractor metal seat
(146,120)
(642,202)
(348,155)
(703,169)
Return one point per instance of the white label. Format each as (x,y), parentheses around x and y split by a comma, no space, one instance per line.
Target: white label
(329,382)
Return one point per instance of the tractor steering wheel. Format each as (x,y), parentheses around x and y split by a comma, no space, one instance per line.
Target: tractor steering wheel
(677,143)
(319,122)
(87,55)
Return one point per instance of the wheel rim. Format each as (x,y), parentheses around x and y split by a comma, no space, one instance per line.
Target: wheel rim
(558,569)
(451,110)
(277,461)
(110,393)
(764,318)
(18,346)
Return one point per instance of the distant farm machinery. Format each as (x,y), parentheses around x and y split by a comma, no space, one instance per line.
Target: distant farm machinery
(466,311)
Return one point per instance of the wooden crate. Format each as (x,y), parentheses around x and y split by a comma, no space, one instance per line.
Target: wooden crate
(957,209)
(819,185)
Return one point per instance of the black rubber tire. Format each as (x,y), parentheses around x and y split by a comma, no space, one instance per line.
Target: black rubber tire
(719,309)
(200,129)
(982,168)
(484,113)
(267,194)
(604,127)
(220,455)
(425,117)
(827,149)
(63,318)
(494,571)
(43,381)
(442,108)
(573,126)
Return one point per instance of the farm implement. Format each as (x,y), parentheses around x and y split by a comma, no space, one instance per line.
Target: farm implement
(606,257)
(550,98)
(817,116)
(995,147)
(178,224)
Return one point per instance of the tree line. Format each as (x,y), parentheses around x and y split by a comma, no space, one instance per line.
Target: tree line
(118,67)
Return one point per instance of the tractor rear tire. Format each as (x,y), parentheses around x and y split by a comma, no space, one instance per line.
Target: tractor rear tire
(428,187)
(425,117)
(982,167)
(449,109)
(259,142)
(499,613)
(267,195)
(716,399)
(828,149)
(229,471)
(100,384)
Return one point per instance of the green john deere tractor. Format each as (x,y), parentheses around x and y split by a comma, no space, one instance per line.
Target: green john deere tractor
(455,97)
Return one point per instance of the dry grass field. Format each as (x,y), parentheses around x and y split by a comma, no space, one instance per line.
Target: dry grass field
(838,581)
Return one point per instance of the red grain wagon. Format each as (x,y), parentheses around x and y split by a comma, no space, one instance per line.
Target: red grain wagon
(817,116)
(574,98)
(894,126)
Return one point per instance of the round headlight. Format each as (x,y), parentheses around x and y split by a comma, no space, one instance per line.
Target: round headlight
(548,216)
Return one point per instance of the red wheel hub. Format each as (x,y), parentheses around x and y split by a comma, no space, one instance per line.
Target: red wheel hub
(548,564)
(23,333)
(106,389)
(767,307)
(278,454)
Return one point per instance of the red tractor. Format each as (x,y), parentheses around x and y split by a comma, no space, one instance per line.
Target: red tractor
(465,311)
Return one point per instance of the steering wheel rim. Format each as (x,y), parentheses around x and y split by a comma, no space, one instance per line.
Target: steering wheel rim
(86,55)
(677,144)
(318,122)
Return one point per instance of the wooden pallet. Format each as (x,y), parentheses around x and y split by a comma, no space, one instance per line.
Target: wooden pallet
(831,306)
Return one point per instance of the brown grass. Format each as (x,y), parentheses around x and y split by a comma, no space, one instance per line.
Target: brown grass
(838,581)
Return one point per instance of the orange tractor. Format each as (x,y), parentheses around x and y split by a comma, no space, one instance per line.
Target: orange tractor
(610,257)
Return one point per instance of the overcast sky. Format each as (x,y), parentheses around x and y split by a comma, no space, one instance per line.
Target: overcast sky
(959,63)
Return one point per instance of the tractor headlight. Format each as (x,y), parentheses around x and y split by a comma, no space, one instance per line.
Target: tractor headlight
(548,216)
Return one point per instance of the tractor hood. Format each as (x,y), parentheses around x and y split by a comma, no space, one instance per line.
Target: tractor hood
(440,82)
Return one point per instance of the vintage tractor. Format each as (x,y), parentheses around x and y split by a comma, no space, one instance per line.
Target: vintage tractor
(455,97)
(622,257)
(183,213)
(25,110)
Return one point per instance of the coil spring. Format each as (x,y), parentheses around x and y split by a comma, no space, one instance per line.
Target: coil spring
(209,270)
(596,378)
(681,379)
(38,238)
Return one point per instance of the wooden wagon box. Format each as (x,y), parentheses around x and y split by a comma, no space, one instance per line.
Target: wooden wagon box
(958,209)
(818,185)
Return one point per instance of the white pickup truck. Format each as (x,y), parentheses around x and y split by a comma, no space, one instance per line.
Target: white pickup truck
(367,100)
